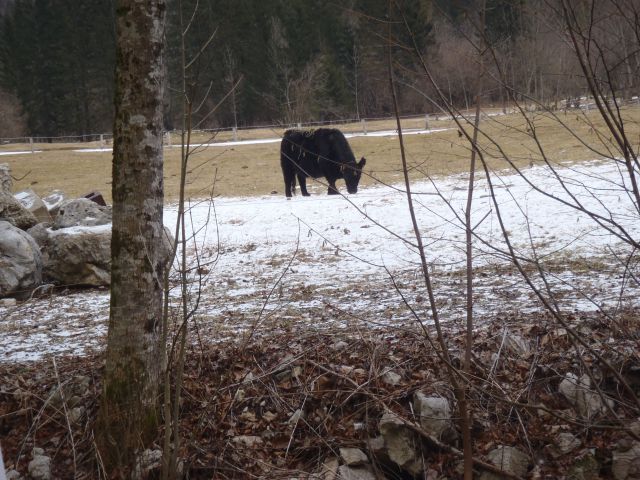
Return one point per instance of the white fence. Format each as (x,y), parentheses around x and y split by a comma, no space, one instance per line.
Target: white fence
(355,125)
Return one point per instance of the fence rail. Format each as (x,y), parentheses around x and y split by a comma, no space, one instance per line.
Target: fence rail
(362,124)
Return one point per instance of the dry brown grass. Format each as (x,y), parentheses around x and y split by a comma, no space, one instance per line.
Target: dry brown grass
(255,169)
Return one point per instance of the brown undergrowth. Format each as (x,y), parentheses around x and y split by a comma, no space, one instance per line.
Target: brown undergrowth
(281,405)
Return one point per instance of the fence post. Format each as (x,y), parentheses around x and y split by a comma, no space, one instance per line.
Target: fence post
(364,126)
(102,140)
(31,143)
(235,134)
(299,125)
(426,122)
(167,136)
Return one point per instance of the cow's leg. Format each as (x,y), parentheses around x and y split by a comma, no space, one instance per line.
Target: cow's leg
(288,173)
(288,183)
(333,190)
(302,180)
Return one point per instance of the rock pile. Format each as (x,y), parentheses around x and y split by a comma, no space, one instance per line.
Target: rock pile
(54,240)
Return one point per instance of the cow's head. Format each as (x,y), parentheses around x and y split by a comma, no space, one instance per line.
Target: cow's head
(352,173)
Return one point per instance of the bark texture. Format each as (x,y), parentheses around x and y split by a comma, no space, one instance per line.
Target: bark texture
(128,414)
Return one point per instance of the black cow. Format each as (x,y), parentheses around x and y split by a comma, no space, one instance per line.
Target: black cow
(323,152)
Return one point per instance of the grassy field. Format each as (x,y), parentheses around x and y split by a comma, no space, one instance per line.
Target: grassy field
(254,169)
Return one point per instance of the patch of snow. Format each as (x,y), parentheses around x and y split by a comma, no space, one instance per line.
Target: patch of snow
(25,152)
(80,229)
(325,262)
(25,198)
(93,150)
(261,141)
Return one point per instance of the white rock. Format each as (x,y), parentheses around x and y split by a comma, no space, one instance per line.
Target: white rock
(434,413)
(329,469)
(54,200)
(509,459)
(626,464)
(353,457)
(269,416)
(75,414)
(402,445)
(81,212)
(376,446)
(578,391)
(391,378)
(240,394)
(295,417)
(340,345)
(355,473)
(566,442)
(11,210)
(20,261)
(76,256)
(32,202)
(40,467)
(148,460)
(13,475)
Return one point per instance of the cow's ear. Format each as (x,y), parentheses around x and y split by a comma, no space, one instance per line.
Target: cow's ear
(362,162)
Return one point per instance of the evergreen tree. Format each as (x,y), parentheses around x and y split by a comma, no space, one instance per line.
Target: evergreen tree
(57,58)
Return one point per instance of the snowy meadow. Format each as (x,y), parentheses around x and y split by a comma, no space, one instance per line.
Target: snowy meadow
(264,264)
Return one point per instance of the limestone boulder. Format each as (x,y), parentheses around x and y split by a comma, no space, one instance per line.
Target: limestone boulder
(435,415)
(626,461)
(12,211)
(20,262)
(353,457)
(81,212)
(578,390)
(508,459)
(32,202)
(81,255)
(53,201)
(402,445)
(146,463)
(78,256)
(40,466)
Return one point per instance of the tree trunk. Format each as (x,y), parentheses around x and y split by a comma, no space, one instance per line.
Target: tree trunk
(128,411)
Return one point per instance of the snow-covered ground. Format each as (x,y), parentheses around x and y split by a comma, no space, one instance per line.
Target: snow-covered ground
(21,152)
(326,261)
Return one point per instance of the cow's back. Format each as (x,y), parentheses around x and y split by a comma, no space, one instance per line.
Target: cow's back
(299,151)
(334,146)
(315,153)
